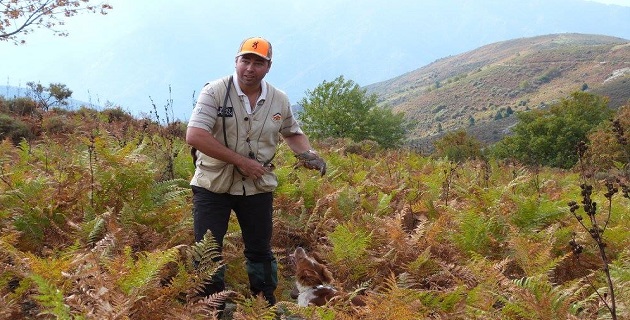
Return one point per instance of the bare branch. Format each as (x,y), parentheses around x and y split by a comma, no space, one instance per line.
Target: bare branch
(24,15)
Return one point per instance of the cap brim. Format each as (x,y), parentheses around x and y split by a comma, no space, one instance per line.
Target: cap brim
(253,52)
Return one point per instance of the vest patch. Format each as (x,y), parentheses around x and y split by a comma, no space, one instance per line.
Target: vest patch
(227,112)
(276,117)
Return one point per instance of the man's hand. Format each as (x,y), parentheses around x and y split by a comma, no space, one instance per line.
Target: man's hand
(251,168)
(310,159)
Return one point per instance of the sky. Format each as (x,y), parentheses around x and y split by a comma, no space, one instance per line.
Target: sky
(616,2)
(148,52)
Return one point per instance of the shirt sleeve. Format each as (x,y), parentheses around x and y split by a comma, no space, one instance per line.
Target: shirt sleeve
(204,115)
(290,126)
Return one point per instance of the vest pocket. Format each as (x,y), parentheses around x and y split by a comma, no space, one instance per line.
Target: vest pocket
(217,179)
(267,183)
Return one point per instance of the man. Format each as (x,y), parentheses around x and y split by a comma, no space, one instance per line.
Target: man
(234,130)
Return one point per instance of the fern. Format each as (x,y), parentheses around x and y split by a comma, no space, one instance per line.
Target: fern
(93,230)
(347,202)
(537,299)
(533,253)
(384,204)
(206,257)
(401,302)
(620,274)
(478,232)
(170,191)
(533,214)
(349,253)
(349,244)
(145,270)
(254,308)
(50,298)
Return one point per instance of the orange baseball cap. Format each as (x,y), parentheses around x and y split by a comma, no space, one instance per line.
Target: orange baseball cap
(257,46)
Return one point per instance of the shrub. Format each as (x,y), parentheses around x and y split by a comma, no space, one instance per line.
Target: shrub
(56,124)
(22,106)
(4,105)
(605,149)
(458,146)
(13,129)
(117,115)
(366,148)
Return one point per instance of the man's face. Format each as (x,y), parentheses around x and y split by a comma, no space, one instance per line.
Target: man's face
(251,69)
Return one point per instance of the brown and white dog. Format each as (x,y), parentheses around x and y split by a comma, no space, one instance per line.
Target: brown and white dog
(313,282)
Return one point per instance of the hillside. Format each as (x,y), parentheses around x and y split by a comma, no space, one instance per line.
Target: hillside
(479,90)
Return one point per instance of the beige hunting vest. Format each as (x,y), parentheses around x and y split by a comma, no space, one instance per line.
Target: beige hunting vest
(272,118)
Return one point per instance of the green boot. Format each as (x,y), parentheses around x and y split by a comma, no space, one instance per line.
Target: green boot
(263,277)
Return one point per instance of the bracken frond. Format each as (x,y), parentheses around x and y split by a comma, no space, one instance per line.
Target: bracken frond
(51,298)
(254,308)
(537,299)
(402,303)
(206,261)
(170,190)
(145,270)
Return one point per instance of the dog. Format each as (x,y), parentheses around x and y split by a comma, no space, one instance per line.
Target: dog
(313,282)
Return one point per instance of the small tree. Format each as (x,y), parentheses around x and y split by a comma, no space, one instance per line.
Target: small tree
(54,94)
(22,16)
(548,137)
(458,146)
(341,109)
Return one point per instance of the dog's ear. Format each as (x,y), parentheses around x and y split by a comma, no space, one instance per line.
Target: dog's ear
(317,258)
(308,277)
(326,275)
(310,273)
(299,253)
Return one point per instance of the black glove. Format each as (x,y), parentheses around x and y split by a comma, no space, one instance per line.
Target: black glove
(310,159)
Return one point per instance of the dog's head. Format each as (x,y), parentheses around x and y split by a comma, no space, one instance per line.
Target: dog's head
(308,271)
(313,282)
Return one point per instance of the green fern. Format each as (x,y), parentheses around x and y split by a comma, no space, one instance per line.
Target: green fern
(166,191)
(384,207)
(533,214)
(620,276)
(206,259)
(477,232)
(537,299)
(143,272)
(347,202)
(254,308)
(50,298)
(93,230)
(349,243)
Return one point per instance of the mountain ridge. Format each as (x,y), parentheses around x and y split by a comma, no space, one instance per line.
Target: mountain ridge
(478,89)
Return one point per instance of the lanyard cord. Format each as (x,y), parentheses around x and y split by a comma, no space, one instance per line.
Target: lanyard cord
(223,112)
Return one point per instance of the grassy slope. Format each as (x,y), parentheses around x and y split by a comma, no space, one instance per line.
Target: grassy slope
(522,74)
